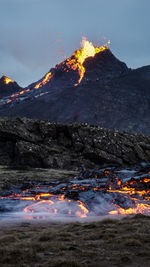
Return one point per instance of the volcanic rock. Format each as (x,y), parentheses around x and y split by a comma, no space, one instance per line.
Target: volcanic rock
(35,143)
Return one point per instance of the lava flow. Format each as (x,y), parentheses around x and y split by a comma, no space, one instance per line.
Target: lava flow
(46,79)
(96,193)
(47,205)
(7,80)
(136,190)
(76,61)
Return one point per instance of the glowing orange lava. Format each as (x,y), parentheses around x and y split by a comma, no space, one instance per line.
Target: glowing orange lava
(134,194)
(7,80)
(84,211)
(54,205)
(46,79)
(139,208)
(129,197)
(79,56)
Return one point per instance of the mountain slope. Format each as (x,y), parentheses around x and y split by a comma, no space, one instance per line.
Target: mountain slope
(104,65)
(122,103)
(101,91)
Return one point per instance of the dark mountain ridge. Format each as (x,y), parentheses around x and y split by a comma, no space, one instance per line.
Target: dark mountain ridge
(110,95)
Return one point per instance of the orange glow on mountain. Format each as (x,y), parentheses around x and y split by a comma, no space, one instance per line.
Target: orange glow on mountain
(76,61)
(46,79)
(7,80)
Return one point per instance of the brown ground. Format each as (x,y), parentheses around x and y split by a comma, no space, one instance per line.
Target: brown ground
(123,242)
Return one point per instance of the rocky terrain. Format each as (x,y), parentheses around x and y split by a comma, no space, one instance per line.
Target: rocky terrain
(35,143)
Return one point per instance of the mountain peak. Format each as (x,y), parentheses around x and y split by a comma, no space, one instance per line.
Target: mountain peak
(8,86)
(78,67)
(5,80)
(104,66)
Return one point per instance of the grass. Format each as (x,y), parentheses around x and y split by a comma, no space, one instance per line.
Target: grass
(103,243)
(9,177)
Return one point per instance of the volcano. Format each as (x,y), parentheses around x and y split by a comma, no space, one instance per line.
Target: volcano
(92,86)
(7,87)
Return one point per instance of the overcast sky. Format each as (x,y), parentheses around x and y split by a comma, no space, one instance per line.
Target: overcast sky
(33,32)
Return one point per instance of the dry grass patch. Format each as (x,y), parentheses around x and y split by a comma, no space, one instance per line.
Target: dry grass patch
(104,243)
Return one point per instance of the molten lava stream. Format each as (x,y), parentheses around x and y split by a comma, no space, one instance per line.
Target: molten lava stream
(57,206)
(139,208)
(138,196)
(76,62)
(46,79)
(7,80)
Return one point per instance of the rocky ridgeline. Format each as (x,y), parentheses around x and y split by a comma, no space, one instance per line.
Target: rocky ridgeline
(35,143)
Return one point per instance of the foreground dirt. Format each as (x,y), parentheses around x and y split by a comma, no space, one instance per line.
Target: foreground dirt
(123,242)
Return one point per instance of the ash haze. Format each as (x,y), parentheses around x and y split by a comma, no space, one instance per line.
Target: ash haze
(38,34)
